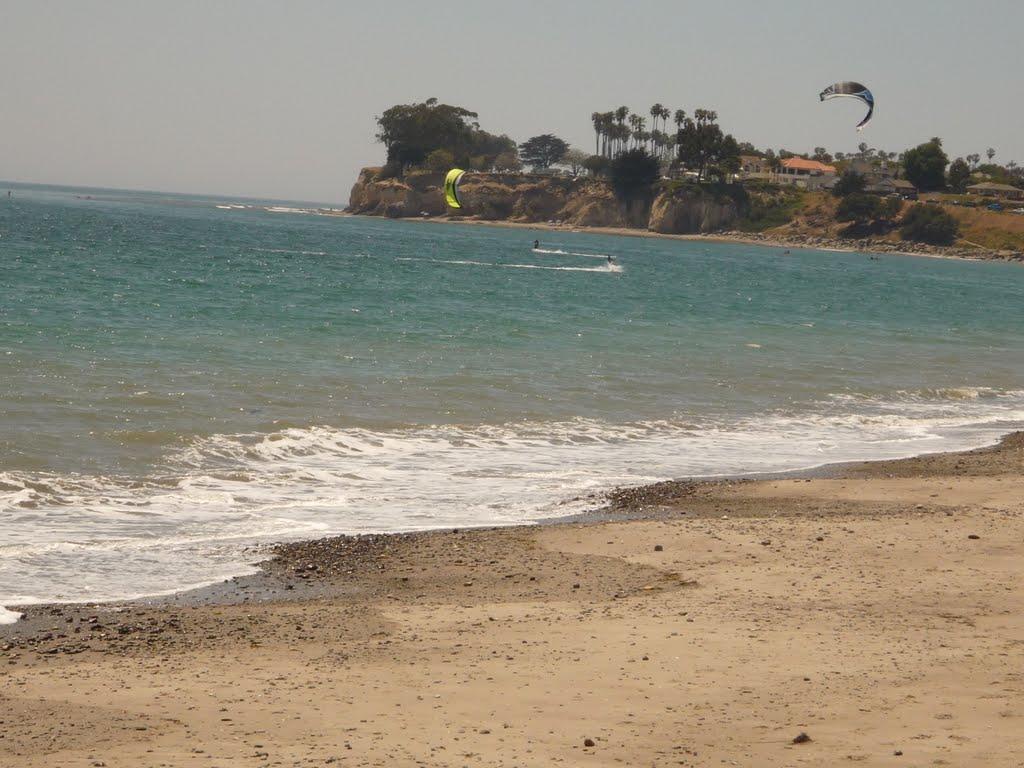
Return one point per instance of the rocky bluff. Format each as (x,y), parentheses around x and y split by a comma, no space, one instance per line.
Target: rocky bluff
(582,202)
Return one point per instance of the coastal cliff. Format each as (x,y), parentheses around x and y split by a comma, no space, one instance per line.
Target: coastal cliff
(580,202)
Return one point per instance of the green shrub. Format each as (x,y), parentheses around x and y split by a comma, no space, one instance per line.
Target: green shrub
(440,160)
(890,207)
(849,183)
(929,224)
(770,207)
(858,207)
(597,165)
(633,174)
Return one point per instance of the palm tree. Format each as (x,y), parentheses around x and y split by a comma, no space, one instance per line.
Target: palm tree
(607,124)
(624,134)
(680,117)
(705,116)
(634,126)
(595,118)
(621,114)
(990,153)
(618,120)
(656,111)
(669,151)
(657,141)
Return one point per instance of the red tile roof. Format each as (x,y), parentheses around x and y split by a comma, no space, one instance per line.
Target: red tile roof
(799,164)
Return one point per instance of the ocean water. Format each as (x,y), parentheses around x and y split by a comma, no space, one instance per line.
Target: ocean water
(184,378)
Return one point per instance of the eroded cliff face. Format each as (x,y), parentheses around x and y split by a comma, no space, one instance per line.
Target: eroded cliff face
(684,212)
(530,199)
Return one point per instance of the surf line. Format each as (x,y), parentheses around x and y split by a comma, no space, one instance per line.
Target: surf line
(570,253)
(609,268)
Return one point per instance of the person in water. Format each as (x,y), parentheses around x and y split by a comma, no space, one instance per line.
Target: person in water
(611,260)
(536,244)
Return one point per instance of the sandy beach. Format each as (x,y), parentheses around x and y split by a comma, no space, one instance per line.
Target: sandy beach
(875,608)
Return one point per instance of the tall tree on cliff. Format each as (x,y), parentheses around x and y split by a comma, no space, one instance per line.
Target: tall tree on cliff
(411,132)
(925,165)
(959,175)
(575,158)
(609,133)
(623,133)
(595,118)
(633,174)
(703,147)
(657,112)
(543,151)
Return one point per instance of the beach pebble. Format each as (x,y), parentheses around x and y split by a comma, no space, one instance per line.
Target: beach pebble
(973,536)
(658,548)
(801,738)
(588,742)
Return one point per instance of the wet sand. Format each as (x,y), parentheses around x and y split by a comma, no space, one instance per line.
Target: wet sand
(876,608)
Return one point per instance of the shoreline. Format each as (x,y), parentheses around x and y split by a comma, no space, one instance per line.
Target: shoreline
(876,606)
(803,243)
(620,505)
(612,509)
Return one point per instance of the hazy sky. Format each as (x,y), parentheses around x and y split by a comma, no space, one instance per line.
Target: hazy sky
(278,99)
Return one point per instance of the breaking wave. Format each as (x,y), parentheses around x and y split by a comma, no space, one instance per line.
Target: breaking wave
(78,537)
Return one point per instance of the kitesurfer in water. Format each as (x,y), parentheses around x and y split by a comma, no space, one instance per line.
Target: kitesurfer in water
(536,245)
(611,260)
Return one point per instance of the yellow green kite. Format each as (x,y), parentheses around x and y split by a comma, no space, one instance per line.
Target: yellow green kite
(451,187)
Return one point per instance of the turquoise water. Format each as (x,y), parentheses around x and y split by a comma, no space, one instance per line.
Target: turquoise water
(185,376)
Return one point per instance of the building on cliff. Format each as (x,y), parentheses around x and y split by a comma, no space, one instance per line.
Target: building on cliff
(754,167)
(873,171)
(890,186)
(806,174)
(990,189)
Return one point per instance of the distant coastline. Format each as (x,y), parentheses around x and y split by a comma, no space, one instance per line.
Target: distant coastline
(769,216)
(767,240)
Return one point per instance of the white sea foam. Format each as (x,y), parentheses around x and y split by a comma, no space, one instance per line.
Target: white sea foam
(498,265)
(289,209)
(8,617)
(559,252)
(78,537)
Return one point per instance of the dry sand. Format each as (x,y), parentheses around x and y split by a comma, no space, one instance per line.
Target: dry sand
(878,610)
